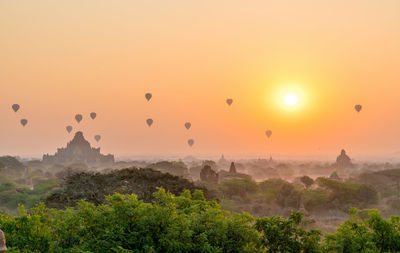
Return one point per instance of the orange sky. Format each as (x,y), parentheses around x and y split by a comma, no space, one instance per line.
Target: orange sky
(59,58)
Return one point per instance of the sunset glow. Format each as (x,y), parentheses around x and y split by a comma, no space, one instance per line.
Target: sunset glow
(218,125)
(291,99)
(297,67)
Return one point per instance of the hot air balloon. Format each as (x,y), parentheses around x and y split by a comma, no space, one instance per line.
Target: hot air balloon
(93,115)
(69,129)
(229,101)
(188,125)
(97,138)
(149,122)
(24,122)
(358,108)
(78,117)
(148,96)
(15,107)
(268,133)
(190,142)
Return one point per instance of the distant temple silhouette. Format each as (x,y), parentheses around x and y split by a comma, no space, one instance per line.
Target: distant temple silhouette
(343,160)
(232,169)
(222,159)
(78,150)
(208,175)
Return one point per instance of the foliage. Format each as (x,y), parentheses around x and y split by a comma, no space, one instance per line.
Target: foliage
(95,186)
(315,199)
(365,231)
(284,235)
(385,181)
(11,163)
(350,192)
(392,173)
(238,187)
(11,194)
(6,183)
(270,189)
(210,163)
(288,196)
(187,223)
(173,168)
(307,181)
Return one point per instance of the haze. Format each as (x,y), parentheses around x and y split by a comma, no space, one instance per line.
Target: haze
(59,58)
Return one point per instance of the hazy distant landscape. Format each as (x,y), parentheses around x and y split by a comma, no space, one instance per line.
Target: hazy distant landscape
(319,202)
(199,126)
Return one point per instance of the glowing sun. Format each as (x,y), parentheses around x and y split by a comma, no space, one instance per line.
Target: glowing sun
(291,99)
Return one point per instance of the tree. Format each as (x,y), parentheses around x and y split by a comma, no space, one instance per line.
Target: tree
(94,187)
(284,235)
(393,174)
(185,223)
(349,192)
(307,181)
(365,231)
(173,168)
(238,187)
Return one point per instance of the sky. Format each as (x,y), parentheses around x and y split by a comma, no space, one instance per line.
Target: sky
(60,58)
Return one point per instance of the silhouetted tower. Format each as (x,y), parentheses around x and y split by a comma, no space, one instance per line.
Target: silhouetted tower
(232,169)
(343,160)
(222,159)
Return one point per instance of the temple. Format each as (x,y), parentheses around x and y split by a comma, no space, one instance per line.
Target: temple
(343,160)
(208,175)
(232,169)
(78,150)
(222,159)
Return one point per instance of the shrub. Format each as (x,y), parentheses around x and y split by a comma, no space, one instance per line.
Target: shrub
(365,231)
(307,181)
(238,187)
(284,235)
(187,223)
(95,186)
(271,188)
(315,199)
(350,192)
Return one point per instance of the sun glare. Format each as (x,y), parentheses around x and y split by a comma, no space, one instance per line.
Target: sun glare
(291,99)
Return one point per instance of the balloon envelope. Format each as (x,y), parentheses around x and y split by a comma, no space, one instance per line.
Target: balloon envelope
(93,115)
(97,138)
(24,122)
(149,122)
(188,125)
(358,108)
(190,142)
(78,117)
(148,96)
(69,129)
(268,133)
(15,107)
(229,101)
